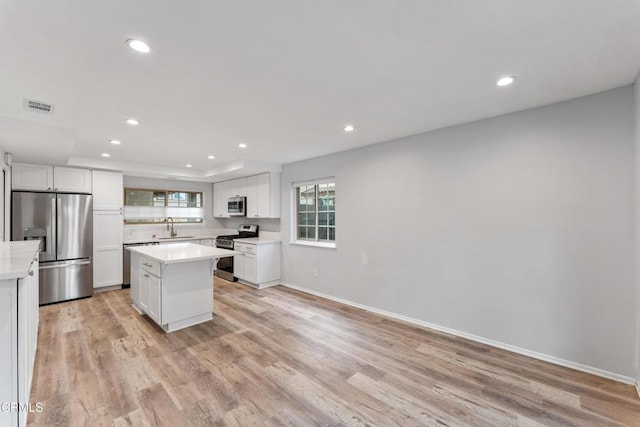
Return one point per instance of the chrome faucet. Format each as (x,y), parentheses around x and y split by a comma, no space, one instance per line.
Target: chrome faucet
(173,232)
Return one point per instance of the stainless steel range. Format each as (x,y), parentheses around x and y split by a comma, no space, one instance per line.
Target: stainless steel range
(225,265)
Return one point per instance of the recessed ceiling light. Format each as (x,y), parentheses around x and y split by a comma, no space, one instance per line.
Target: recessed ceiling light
(349,128)
(139,46)
(506,81)
(188,165)
(114,141)
(132,122)
(211,157)
(105,155)
(242,145)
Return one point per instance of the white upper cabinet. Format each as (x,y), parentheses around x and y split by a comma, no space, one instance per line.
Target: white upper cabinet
(26,176)
(263,196)
(220,199)
(262,193)
(108,190)
(242,187)
(71,180)
(232,188)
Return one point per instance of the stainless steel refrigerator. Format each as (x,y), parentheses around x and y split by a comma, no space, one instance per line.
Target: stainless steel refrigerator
(64,225)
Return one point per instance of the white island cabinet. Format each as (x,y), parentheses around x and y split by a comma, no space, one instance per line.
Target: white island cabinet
(18,328)
(173,283)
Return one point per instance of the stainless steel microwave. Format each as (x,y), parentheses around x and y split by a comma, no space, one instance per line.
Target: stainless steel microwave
(236,206)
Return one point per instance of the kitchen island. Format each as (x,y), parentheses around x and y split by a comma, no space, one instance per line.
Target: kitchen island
(173,284)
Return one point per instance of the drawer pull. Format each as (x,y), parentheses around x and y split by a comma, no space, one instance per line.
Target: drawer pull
(146,275)
(31,273)
(147,264)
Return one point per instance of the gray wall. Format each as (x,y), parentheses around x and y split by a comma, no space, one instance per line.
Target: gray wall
(172,184)
(637,199)
(518,229)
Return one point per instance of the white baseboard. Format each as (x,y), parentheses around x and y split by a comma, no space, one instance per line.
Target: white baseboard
(261,285)
(107,288)
(479,339)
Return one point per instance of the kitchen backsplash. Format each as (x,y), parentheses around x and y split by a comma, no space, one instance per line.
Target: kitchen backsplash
(267,229)
(137,232)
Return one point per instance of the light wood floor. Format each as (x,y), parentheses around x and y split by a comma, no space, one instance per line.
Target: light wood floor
(280,357)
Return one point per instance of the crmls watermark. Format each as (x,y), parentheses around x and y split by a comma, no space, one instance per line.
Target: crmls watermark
(21,407)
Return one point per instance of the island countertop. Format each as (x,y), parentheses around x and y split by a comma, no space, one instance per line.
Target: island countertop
(181,252)
(16,258)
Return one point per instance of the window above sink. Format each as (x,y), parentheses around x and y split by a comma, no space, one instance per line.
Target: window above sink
(153,206)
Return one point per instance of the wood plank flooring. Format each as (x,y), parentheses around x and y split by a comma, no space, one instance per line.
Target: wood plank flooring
(278,357)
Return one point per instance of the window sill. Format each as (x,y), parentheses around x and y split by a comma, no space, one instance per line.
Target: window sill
(313,244)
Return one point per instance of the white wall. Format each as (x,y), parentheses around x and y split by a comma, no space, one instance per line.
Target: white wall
(518,229)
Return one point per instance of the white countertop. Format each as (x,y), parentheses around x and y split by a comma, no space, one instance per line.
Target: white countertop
(257,240)
(16,257)
(175,239)
(181,252)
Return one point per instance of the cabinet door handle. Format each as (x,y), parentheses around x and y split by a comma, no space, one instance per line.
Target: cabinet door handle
(146,275)
(31,273)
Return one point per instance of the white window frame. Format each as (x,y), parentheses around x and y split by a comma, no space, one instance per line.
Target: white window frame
(294,215)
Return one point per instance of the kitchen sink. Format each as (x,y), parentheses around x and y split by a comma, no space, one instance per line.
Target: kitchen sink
(175,238)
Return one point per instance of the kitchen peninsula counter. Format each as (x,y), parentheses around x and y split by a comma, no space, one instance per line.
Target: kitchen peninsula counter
(16,258)
(19,321)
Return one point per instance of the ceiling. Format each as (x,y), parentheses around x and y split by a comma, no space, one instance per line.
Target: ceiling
(285,76)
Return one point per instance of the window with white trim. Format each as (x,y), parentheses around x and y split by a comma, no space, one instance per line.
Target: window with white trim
(315,213)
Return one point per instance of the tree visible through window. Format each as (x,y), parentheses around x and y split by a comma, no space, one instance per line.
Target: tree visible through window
(316,212)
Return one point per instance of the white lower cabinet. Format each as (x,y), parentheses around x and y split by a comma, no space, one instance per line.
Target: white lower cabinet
(19,321)
(251,268)
(258,265)
(152,294)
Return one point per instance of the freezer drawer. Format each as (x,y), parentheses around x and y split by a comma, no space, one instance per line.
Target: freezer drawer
(65,280)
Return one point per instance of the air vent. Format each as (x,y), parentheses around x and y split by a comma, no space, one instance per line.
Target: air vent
(39,106)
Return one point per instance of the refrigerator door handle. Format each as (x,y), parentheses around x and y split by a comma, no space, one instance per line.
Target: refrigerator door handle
(57,222)
(48,266)
(52,240)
